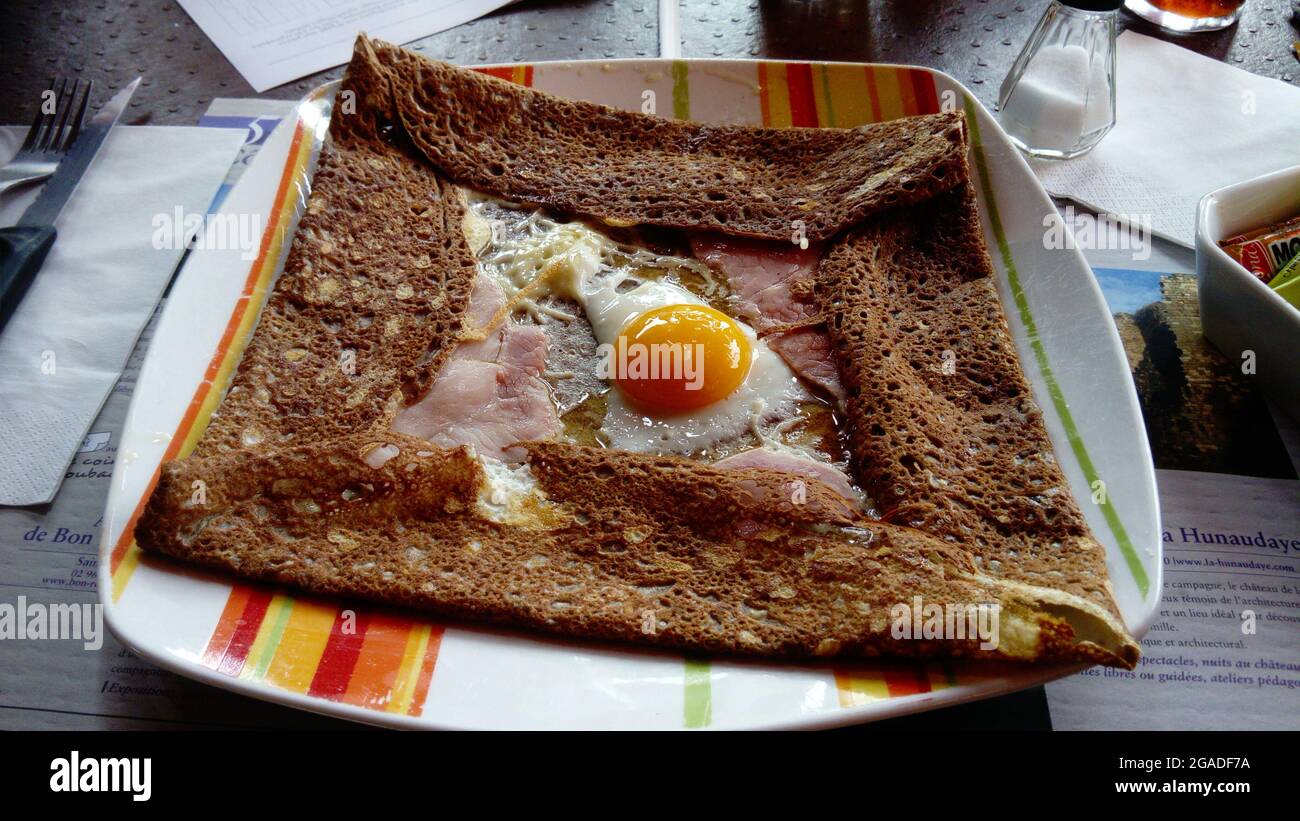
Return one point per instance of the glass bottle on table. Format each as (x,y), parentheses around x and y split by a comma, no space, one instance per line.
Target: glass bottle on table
(1058,100)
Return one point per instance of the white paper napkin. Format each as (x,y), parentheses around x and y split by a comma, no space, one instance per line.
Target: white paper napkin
(65,347)
(1185,125)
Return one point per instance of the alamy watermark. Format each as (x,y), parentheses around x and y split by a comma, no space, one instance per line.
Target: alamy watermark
(77,774)
(952,621)
(218,232)
(37,621)
(657,360)
(1100,232)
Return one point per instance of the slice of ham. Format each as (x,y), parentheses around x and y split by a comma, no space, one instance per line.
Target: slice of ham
(769,280)
(490,394)
(808,351)
(771,284)
(823,472)
(485,300)
(799,466)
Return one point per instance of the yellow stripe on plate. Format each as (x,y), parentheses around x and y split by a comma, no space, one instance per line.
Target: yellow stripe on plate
(776,94)
(850,97)
(855,691)
(891,99)
(409,671)
(302,645)
(268,637)
(822,98)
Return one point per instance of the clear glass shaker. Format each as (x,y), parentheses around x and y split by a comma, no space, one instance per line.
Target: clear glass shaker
(1058,100)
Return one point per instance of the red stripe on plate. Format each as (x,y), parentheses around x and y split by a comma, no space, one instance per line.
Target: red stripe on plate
(241,639)
(927,100)
(340,657)
(905,678)
(803,108)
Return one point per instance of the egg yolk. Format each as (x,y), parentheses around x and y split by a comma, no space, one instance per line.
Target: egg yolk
(680,357)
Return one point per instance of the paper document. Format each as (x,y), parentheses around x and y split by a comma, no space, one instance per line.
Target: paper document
(1224,651)
(273,43)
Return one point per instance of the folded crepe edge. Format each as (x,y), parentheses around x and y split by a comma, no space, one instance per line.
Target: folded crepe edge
(1039,614)
(295,492)
(828,179)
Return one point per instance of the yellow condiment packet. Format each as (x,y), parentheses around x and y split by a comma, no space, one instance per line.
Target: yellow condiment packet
(1290,291)
(1286,273)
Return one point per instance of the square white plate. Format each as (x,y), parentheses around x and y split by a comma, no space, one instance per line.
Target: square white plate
(371,664)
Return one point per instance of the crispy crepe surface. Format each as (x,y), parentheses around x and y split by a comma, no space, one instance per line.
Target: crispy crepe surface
(618,545)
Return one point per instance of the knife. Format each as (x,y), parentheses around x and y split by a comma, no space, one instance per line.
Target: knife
(23,247)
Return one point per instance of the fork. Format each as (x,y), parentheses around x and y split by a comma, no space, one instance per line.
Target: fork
(49,137)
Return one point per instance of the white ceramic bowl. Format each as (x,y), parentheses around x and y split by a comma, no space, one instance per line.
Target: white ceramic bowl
(1239,313)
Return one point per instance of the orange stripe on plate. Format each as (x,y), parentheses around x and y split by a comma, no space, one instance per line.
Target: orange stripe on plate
(127,562)
(375,674)
(421,693)
(775,95)
(227,624)
(521,74)
(906,93)
(873,94)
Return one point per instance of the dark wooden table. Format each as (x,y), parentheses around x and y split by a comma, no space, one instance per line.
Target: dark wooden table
(111,42)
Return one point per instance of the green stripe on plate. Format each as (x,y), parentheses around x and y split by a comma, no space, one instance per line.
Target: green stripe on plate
(699,693)
(830,98)
(1040,356)
(273,640)
(681,90)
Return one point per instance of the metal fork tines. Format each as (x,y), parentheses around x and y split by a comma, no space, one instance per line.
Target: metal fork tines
(58,121)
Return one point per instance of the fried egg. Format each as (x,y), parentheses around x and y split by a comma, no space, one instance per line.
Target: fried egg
(715,380)
(683,375)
